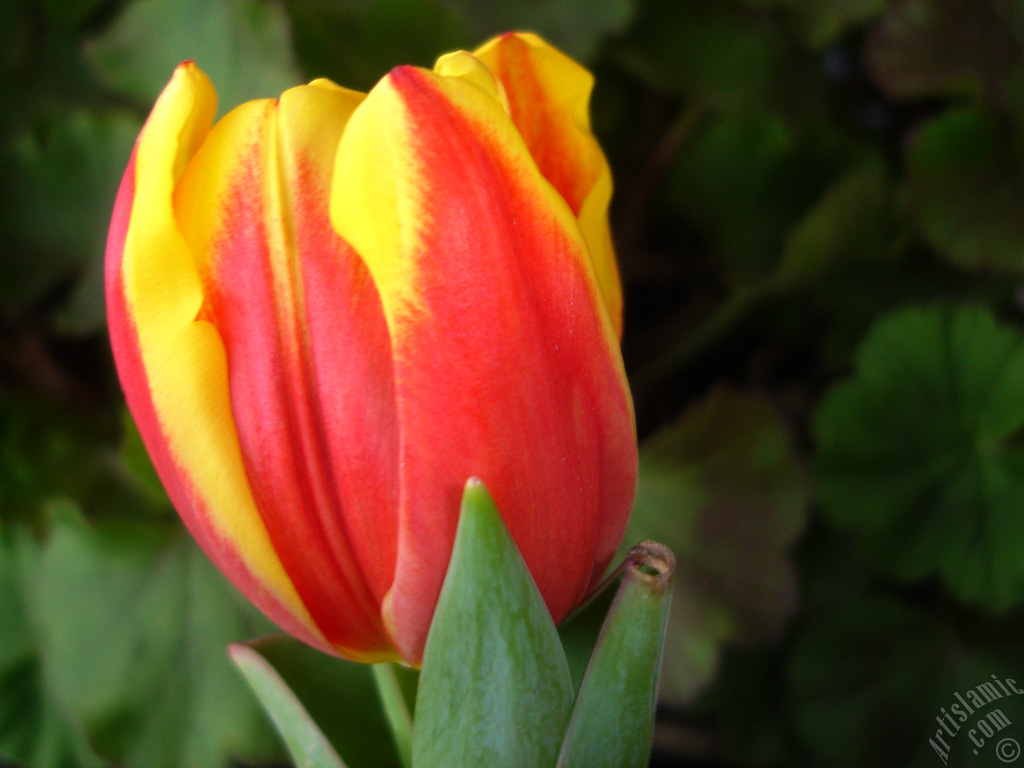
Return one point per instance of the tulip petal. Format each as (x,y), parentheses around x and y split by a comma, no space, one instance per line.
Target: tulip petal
(467,66)
(153,296)
(308,355)
(548,97)
(506,363)
(172,363)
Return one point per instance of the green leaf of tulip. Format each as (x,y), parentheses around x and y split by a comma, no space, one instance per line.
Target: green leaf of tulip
(494,689)
(338,696)
(305,742)
(613,721)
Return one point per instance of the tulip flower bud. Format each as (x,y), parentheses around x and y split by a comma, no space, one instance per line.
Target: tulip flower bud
(329,310)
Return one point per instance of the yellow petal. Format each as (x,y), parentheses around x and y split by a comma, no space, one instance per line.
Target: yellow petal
(465,65)
(183,357)
(253,205)
(503,351)
(549,97)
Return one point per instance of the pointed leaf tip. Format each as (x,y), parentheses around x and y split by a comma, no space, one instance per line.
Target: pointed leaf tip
(494,688)
(305,742)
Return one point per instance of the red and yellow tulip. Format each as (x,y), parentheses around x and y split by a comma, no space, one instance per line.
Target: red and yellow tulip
(331,309)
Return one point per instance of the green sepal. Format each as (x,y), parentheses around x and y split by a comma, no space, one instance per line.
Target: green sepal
(612,723)
(494,687)
(306,744)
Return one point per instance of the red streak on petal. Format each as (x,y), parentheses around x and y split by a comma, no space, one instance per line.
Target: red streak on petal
(186,498)
(309,374)
(511,370)
(555,143)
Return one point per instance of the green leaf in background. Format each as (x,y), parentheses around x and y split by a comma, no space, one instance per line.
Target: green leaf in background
(42,77)
(919,455)
(34,731)
(72,14)
(949,47)
(49,452)
(870,680)
(243,45)
(749,699)
(862,684)
(820,22)
(849,222)
(66,174)
(307,745)
(135,623)
(748,707)
(494,687)
(724,491)
(968,192)
(378,35)
(723,56)
(746,180)
(578,27)
(340,697)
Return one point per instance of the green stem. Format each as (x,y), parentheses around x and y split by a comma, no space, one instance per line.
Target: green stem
(396,710)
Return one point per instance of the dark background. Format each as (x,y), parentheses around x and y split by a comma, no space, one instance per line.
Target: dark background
(819,216)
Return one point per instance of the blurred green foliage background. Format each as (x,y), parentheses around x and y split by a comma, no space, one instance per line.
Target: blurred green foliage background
(820,224)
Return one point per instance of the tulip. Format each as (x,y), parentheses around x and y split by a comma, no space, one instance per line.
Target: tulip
(331,309)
